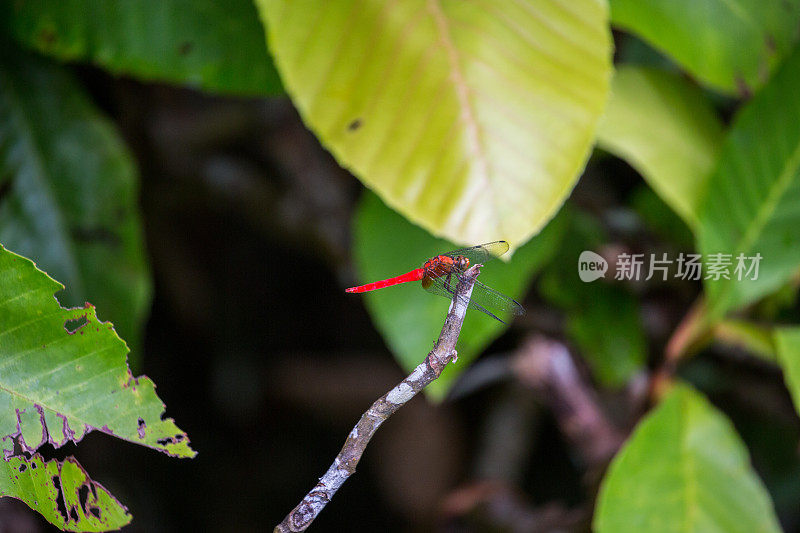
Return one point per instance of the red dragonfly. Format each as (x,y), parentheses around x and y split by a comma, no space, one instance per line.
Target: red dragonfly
(441,274)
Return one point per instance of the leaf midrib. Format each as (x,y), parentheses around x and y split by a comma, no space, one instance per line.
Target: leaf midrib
(767,209)
(463,91)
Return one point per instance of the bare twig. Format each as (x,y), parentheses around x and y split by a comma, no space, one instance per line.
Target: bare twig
(496,505)
(345,462)
(547,366)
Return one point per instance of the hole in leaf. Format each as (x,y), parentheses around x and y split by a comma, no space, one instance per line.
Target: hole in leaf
(60,502)
(95,511)
(23,468)
(17,448)
(73,513)
(83,496)
(74,324)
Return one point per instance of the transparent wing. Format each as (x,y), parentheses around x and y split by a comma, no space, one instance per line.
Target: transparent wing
(481,253)
(484,299)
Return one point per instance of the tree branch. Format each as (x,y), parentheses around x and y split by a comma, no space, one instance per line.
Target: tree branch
(344,465)
(547,366)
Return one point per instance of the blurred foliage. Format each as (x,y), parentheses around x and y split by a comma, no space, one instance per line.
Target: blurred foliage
(731,46)
(754,338)
(683,469)
(214,46)
(753,204)
(472,122)
(70,188)
(608,332)
(660,219)
(787,347)
(666,129)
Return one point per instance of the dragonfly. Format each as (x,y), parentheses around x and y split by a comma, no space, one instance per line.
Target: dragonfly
(440,275)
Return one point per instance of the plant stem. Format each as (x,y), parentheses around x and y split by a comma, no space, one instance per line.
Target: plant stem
(691,335)
(344,465)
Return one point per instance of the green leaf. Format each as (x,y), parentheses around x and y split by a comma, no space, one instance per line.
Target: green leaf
(216,46)
(410,319)
(754,338)
(787,345)
(68,191)
(472,119)
(60,379)
(753,201)
(664,127)
(631,50)
(56,488)
(615,348)
(684,469)
(731,45)
(660,219)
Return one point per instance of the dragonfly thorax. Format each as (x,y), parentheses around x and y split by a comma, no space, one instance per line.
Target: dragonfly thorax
(443,265)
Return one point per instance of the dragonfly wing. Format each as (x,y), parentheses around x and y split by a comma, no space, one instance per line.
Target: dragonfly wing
(483,299)
(498,301)
(481,253)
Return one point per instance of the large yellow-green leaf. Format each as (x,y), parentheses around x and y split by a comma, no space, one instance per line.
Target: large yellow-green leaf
(63,493)
(752,207)
(731,45)
(63,372)
(684,470)
(409,318)
(667,130)
(472,119)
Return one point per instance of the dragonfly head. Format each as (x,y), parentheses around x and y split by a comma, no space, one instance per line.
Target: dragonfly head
(461,262)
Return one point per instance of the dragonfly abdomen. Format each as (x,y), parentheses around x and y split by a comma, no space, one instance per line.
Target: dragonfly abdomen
(414,275)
